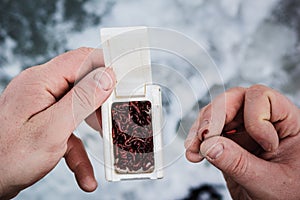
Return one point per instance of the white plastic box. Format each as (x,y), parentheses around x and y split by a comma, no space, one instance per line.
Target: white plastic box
(132,115)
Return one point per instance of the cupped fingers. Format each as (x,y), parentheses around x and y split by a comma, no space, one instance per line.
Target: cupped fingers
(259,107)
(212,120)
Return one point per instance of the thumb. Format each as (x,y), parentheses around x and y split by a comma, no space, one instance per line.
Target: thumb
(237,163)
(91,92)
(82,100)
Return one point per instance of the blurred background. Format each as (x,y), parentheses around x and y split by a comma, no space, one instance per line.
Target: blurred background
(249,41)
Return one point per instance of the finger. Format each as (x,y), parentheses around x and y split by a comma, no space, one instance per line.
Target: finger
(68,68)
(236,124)
(94,120)
(84,98)
(213,117)
(193,156)
(79,163)
(87,96)
(265,107)
(220,112)
(192,144)
(282,113)
(238,164)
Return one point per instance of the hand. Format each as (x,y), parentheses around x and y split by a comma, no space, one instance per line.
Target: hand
(40,109)
(259,155)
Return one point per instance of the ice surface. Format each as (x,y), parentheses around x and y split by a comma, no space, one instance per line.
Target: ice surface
(247,46)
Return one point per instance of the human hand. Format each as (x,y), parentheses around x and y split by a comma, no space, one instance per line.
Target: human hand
(259,155)
(40,109)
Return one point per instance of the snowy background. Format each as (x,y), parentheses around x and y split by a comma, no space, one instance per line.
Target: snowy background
(250,42)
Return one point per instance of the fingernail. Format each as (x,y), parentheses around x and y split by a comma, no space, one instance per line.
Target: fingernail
(214,151)
(266,145)
(104,80)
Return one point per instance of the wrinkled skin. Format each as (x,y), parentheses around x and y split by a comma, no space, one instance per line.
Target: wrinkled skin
(259,155)
(40,109)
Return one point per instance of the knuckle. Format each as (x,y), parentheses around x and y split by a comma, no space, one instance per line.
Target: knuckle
(29,72)
(258,87)
(82,97)
(85,50)
(239,88)
(77,55)
(256,92)
(239,167)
